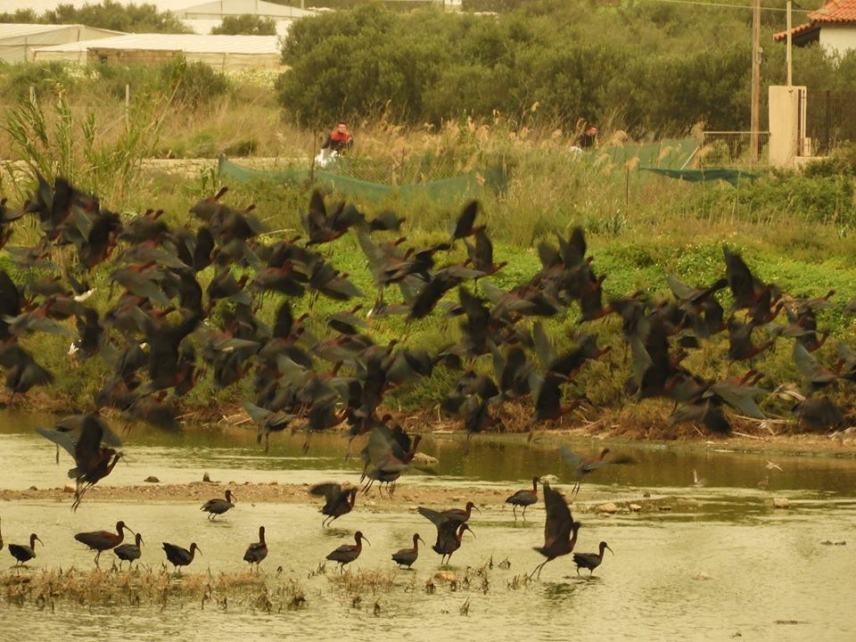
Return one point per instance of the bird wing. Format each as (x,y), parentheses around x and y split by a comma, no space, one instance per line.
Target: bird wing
(559,520)
(570,457)
(60,437)
(329,491)
(258,414)
(436,518)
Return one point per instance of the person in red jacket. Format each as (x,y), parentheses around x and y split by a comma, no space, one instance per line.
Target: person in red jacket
(340,139)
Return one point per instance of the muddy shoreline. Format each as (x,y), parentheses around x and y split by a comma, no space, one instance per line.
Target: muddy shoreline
(632,425)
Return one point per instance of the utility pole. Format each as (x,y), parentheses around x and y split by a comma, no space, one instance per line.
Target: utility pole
(755,113)
(789,51)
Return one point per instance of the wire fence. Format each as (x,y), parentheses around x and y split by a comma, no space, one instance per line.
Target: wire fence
(830,120)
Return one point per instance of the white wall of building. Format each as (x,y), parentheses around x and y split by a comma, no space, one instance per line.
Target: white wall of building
(838,39)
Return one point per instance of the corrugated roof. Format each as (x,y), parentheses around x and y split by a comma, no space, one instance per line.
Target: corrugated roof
(24,30)
(839,12)
(221,8)
(189,43)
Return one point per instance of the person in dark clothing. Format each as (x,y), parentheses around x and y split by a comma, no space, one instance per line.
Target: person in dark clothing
(340,139)
(588,138)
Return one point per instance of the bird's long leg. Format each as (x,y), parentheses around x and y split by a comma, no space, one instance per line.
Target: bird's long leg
(538,569)
(578,570)
(97,556)
(514,510)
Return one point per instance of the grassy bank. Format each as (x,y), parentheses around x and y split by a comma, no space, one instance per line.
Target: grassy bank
(798,231)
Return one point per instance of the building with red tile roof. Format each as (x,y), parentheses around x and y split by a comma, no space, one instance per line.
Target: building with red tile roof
(833,25)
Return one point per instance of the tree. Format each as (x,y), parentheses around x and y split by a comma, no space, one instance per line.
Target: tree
(247,25)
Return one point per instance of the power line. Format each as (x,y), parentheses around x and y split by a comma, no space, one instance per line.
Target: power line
(700,3)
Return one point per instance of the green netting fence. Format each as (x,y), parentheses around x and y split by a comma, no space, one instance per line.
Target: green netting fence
(447,190)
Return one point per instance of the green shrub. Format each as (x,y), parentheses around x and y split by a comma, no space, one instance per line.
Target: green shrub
(544,62)
(194,83)
(246,24)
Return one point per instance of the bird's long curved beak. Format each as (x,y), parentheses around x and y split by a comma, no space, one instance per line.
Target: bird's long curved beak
(610,550)
(40,541)
(199,550)
(422,540)
(130,529)
(477,508)
(366,539)
(470,531)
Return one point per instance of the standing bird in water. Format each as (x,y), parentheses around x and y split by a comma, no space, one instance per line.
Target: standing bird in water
(216,507)
(591,560)
(103,540)
(560,530)
(347,553)
(449,532)
(408,556)
(339,501)
(257,551)
(524,498)
(23,553)
(178,556)
(129,552)
(460,515)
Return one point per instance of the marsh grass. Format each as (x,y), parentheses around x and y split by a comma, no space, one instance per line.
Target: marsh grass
(150,587)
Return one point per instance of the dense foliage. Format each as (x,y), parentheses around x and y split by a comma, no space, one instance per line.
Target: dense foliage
(136,18)
(247,25)
(638,66)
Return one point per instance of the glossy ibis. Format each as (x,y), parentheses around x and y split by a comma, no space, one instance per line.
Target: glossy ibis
(23,553)
(387,455)
(591,560)
(93,445)
(103,540)
(460,515)
(524,498)
(129,552)
(560,530)
(179,556)
(347,553)
(257,551)
(339,501)
(407,556)
(449,532)
(583,467)
(216,507)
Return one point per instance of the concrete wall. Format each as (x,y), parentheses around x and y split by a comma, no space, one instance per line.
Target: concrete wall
(786,125)
(220,62)
(838,39)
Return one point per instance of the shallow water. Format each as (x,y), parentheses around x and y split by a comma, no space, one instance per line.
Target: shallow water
(722,562)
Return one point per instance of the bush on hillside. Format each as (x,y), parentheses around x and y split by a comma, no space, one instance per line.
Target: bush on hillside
(246,25)
(549,62)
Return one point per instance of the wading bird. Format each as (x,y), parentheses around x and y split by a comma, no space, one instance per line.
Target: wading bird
(347,553)
(339,500)
(449,533)
(103,540)
(179,556)
(129,552)
(560,531)
(583,467)
(23,553)
(591,560)
(407,556)
(524,498)
(216,507)
(257,551)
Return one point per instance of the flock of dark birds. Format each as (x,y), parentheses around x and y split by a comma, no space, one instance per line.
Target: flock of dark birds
(560,533)
(162,306)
